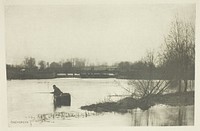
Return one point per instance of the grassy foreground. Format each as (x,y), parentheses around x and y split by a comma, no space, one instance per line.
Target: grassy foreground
(173,99)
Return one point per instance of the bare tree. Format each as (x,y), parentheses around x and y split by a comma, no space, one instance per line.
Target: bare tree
(179,52)
(42,64)
(150,61)
(29,62)
(146,87)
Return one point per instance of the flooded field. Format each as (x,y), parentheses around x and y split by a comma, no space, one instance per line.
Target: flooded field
(31,104)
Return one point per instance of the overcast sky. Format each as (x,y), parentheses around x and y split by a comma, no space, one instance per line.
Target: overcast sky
(99,33)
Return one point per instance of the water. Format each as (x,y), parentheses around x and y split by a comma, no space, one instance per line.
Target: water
(30,104)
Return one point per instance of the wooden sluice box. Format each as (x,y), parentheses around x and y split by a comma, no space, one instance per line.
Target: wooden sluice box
(63,100)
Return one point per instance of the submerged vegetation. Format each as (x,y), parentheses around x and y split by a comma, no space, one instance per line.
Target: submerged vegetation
(51,117)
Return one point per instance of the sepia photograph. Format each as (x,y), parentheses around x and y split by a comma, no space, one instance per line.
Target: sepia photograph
(77,65)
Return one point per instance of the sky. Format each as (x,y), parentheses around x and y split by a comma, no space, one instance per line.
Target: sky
(107,33)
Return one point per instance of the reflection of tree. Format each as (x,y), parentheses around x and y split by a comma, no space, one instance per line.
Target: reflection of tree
(141,118)
(182,116)
(161,116)
(135,117)
(176,116)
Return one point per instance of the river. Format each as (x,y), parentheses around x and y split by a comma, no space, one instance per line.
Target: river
(30,104)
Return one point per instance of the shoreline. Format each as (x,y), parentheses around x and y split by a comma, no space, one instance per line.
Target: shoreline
(123,105)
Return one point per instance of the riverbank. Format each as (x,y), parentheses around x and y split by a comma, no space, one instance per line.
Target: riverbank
(122,106)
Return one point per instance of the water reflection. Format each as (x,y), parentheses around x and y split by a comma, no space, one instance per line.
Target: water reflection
(162,115)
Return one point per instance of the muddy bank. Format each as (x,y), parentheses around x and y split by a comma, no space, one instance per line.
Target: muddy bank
(173,99)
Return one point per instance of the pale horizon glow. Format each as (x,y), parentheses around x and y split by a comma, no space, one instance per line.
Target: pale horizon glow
(97,33)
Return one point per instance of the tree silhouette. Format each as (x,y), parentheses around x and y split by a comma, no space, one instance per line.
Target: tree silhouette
(178,56)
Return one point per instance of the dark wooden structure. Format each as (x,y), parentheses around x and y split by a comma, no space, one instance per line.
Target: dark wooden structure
(63,100)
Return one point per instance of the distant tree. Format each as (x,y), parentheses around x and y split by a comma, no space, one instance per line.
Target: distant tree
(29,62)
(178,56)
(47,64)
(124,66)
(150,64)
(55,65)
(8,66)
(78,63)
(139,65)
(67,66)
(42,64)
(103,64)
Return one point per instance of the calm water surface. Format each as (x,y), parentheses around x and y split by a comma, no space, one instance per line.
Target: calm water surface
(30,104)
